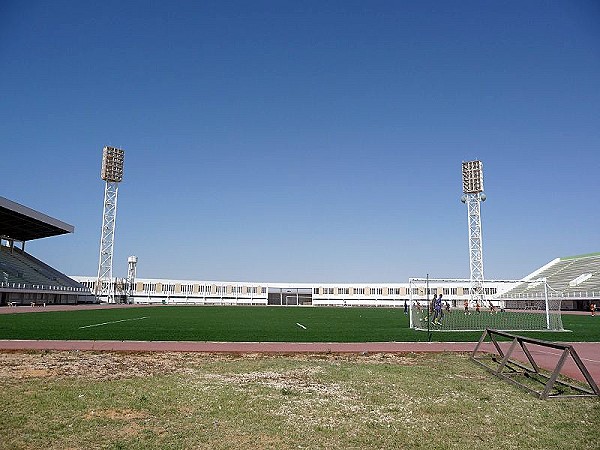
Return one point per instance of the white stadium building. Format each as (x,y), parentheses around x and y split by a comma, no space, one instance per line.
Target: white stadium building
(194,292)
(575,280)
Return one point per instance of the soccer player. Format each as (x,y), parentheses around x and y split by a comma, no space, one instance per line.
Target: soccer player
(438,314)
(593,309)
(466,303)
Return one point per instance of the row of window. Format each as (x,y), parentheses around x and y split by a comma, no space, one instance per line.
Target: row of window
(354,291)
(169,288)
(188,289)
(358,291)
(396,291)
(453,291)
(204,289)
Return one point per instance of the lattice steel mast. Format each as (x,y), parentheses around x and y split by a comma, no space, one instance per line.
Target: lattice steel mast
(472,177)
(131,274)
(112,173)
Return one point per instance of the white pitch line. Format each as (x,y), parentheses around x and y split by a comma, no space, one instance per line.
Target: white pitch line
(114,321)
(301,326)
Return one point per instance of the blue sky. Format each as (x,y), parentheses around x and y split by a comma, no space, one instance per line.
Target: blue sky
(305,141)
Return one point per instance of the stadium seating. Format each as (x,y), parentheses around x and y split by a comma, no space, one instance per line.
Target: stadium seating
(25,280)
(17,266)
(573,277)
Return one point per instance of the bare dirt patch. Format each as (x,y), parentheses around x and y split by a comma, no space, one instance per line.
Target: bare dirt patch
(88,365)
(116,414)
(114,366)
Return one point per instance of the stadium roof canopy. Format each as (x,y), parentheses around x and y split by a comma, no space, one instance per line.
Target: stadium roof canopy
(21,223)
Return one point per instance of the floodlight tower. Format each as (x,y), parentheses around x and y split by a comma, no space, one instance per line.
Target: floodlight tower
(112,173)
(472,177)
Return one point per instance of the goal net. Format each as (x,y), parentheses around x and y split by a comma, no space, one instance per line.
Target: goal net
(508,305)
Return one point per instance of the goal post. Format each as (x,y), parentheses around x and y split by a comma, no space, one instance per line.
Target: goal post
(507,305)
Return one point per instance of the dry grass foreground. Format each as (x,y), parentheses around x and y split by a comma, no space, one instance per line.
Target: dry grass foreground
(77,400)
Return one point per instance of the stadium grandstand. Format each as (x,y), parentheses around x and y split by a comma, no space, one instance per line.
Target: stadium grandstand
(24,279)
(574,280)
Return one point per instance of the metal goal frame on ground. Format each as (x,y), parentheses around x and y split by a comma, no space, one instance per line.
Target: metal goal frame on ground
(504,365)
(531,310)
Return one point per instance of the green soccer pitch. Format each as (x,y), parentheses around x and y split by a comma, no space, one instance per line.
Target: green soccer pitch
(252,324)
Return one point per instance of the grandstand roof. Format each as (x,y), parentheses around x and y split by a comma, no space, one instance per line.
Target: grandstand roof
(564,258)
(568,277)
(21,223)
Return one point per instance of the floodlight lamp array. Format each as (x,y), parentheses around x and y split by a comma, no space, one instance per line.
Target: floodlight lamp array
(112,164)
(472,177)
